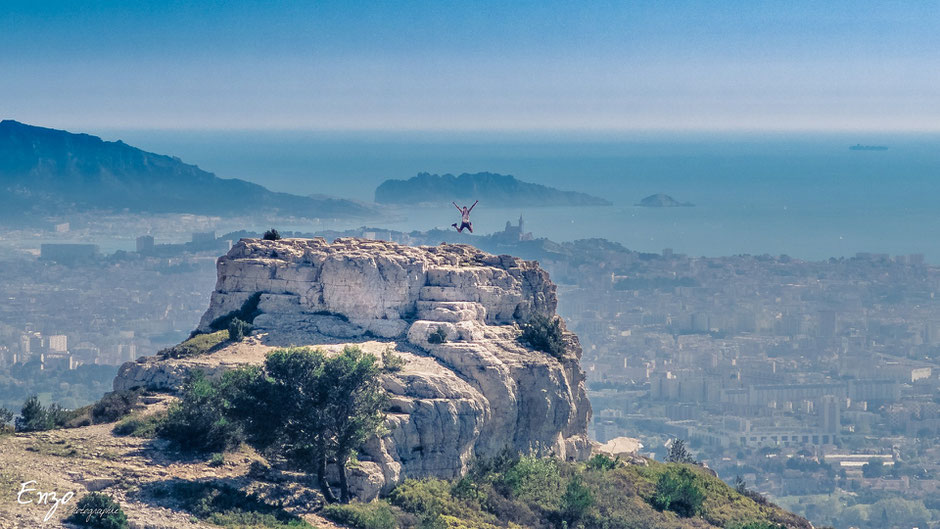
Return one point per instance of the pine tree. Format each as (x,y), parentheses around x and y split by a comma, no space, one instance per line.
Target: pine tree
(678,453)
(34,417)
(313,410)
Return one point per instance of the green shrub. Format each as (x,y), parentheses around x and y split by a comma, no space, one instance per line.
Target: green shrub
(679,490)
(678,453)
(433,501)
(227,506)
(602,462)
(501,462)
(535,481)
(544,334)
(373,515)
(392,362)
(114,405)
(421,496)
(198,422)
(576,501)
(542,493)
(439,336)
(247,313)
(238,329)
(235,519)
(146,426)
(271,235)
(98,511)
(197,345)
(467,489)
(740,486)
(35,417)
(55,416)
(76,418)
(6,417)
(217,459)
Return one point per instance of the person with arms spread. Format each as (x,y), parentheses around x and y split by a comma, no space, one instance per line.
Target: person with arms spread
(464,217)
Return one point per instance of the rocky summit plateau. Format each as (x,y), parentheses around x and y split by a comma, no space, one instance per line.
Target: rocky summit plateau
(473,393)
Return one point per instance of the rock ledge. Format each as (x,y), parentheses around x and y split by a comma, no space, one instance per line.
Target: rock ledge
(472,395)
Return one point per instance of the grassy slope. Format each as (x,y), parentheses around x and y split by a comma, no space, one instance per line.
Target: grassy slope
(531,493)
(195,346)
(507,493)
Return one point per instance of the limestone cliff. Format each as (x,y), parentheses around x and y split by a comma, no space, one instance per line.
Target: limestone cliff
(472,395)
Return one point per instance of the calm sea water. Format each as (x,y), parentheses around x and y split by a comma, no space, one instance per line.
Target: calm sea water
(806,195)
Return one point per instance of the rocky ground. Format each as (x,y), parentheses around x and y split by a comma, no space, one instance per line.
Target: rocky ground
(92,458)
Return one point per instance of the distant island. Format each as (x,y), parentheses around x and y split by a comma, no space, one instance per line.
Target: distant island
(660,200)
(860,147)
(490,188)
(45,171)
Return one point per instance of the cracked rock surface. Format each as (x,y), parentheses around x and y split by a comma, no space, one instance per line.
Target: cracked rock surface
(474,393)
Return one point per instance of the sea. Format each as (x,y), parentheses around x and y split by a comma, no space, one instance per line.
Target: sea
(806,195)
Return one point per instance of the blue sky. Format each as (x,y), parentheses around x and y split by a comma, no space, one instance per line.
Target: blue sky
(548,65)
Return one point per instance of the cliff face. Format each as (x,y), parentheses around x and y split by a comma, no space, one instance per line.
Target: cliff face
(472,395)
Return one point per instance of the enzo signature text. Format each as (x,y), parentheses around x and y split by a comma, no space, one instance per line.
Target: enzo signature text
(28,495)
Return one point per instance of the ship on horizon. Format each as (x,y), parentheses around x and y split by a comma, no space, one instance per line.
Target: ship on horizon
(860,147)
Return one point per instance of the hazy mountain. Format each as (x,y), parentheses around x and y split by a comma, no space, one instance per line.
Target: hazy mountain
(493,189)
(47,170)
(661,200)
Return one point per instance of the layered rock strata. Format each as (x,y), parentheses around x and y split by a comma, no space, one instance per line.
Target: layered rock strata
(468,387)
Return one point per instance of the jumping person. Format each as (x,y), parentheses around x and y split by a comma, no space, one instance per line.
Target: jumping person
(464,217)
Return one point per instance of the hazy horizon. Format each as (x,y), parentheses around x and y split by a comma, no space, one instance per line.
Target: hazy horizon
(802,194)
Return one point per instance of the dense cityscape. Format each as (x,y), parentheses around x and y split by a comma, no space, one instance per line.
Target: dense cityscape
(812,382)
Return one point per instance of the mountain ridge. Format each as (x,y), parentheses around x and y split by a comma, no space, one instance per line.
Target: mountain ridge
(44,170)
(493,188)
(662,200)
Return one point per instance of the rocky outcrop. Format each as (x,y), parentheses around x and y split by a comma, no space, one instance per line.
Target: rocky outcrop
(471,394)
(377,286)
